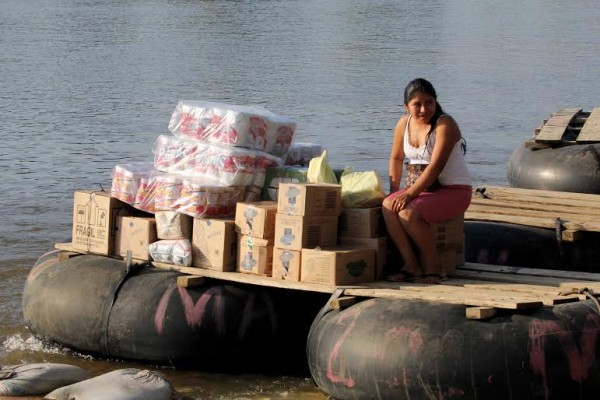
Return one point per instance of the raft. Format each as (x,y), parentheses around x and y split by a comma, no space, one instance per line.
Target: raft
(96,305)
(394,349)
(564,154)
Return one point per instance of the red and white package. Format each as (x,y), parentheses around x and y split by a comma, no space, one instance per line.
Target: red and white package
(247,126)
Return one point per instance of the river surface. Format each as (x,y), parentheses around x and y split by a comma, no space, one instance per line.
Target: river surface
(87,84)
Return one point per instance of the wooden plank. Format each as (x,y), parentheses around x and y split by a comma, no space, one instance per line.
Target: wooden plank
(190,281)
(65,255)
(498,301)
(581,208)
(342,302)
(480,312)
(572,275)
(549,223)
(527,279)
(549,292)
(247,278)
(484,293)
(558,199)
(534,211)
(555,127)
(591,129)
(549,194)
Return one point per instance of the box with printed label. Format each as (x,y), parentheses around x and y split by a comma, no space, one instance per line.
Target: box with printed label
(173,225)
(214,244)
(286,174)
(256,219)
(380,246)
(293,232)
(362,222)
(337,266)
(255,255)
(286,264)
(135,234)
(309,199)
(94,221)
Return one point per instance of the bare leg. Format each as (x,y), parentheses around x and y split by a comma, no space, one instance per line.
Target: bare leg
(424,236)
(402,241)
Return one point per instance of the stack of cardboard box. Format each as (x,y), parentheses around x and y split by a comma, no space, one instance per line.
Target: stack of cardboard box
(307,217)
(451,243)
(306,238)
(364,227)
(255,227)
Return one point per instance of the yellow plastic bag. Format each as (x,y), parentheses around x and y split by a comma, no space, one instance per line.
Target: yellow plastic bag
(319,170)
(362,190)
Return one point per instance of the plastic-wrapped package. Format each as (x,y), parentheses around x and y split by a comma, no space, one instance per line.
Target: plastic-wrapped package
(167,191)
(301,153)
(173,225)
(264,161)
(126,178)
(234,125)
(178,252)
(231,166)
(202,199)
(151,190)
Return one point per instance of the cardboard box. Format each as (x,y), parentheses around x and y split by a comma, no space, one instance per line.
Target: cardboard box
(135,234)
(94,221)
(214,244)
(293,232)
(380,246)
(286,174)
(452,255)
(256,219)
(337,266)
(173,225)
(451,231)
(362,222)
(286,264)
(309,199)
(255,255)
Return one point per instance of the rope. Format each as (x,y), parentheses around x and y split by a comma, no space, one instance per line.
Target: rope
(589,293)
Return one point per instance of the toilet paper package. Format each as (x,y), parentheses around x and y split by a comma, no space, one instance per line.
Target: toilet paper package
(247,126)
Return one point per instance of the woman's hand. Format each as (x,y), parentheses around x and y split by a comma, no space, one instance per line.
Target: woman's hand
(401,201)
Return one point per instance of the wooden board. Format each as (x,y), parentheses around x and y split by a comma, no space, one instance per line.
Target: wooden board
(591,129)
(557,124)
(576,212)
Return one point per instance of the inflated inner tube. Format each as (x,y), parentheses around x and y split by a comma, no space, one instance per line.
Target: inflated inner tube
(574,168)
(529,247)
(92,304)
(399,349)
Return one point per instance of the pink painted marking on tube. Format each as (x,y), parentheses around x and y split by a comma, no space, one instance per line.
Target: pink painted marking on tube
(159,316)
(194,313)
(331,375)
(580,358)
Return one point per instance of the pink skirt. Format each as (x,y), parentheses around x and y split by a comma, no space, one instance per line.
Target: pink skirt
(447,202)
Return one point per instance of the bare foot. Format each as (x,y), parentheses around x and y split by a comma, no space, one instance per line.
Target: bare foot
(403,276)
(432,279)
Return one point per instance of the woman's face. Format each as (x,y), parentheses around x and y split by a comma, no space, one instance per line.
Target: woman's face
(421,106)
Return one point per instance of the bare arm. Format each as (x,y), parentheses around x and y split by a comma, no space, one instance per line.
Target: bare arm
(397,155)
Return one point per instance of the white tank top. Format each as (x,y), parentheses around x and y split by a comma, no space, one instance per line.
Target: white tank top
(455,171)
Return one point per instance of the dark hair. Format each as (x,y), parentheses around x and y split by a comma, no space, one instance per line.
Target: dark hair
(421,85)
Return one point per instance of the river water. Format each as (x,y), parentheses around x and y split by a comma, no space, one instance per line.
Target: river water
(87,84)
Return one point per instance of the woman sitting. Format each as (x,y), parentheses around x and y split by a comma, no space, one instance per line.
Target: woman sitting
(437,185)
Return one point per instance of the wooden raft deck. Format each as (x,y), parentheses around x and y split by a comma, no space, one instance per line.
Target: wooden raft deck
(482,288)
(573,213)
